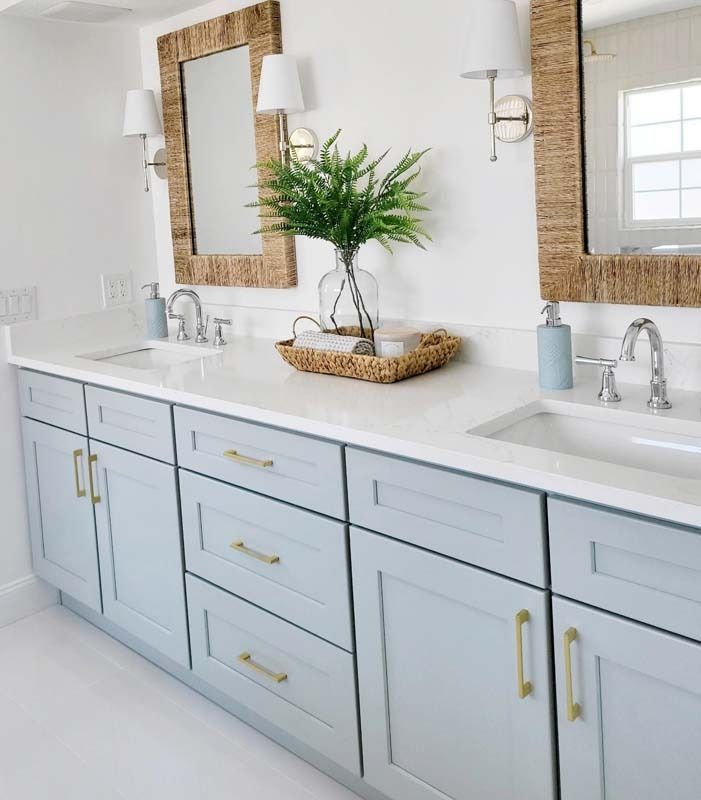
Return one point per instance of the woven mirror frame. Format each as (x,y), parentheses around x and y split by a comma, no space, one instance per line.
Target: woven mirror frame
(258,27)
(567,271)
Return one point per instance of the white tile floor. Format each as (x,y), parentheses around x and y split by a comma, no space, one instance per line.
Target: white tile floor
(84,718)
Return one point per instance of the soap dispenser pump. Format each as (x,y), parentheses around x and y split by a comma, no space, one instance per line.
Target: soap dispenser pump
(156,320)
(554,350)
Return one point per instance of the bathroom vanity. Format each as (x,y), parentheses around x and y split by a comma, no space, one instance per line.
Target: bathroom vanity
(419,610)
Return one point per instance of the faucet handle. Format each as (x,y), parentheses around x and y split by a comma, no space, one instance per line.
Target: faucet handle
(609,390)
(219,340)
(182,333)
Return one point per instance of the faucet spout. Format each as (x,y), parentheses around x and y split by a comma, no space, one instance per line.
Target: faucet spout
(658,383)
(201,328)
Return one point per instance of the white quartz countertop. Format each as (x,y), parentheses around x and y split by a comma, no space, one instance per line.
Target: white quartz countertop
(424,418)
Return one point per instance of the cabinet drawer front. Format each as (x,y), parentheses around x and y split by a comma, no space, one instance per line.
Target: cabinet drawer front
(444,654)
(141,564)
(300,470)
(134,423)
(471,519)
(54,400)
(289,561)
(636,567)
(629,708)
(296,681)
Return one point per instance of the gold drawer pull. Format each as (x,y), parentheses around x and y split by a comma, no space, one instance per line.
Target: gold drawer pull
(79,491)
(92,459)
(573,709)
(241,547)
(252,462)
(524,687)
(278,677)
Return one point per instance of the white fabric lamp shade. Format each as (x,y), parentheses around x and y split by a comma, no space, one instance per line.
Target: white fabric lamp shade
(141,114)
(493,43)
(280,90)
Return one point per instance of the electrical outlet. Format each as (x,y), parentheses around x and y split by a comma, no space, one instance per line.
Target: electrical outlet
(116,289)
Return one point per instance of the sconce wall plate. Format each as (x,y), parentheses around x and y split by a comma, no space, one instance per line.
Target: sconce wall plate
(303,144)
(514,118)
(159,164)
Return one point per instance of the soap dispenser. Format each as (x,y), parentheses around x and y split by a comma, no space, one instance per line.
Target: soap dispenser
(156,320)
(554,350)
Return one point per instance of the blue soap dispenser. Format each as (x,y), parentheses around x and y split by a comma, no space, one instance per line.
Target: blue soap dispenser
(156,321)
(554,350)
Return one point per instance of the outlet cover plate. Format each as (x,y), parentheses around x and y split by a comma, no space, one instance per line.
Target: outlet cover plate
(18,305)
(116,289)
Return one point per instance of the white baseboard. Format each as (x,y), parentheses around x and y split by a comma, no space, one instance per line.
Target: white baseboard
(23,597)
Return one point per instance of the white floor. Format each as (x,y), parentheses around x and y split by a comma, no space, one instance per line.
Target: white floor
(84,718)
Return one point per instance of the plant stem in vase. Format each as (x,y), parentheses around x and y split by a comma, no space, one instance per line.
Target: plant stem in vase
(348,296)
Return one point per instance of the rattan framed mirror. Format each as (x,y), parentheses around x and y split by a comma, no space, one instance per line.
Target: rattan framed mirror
(569,270)
(201,140)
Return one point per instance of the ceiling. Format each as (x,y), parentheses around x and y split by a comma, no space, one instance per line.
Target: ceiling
(597,13)
(139,12)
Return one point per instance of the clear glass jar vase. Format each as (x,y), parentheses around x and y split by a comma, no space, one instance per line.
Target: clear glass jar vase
(348,297)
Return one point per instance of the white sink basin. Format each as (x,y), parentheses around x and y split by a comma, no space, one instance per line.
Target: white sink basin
(616,437)
(151,355)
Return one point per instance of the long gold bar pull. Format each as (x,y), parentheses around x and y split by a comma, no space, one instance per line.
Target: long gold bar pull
(251,462)
(573,709)
(241,547)
(524,687)
(92,459)
(79,491)
(278,677)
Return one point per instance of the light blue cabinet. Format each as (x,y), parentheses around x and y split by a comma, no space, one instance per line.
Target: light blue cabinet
(454,677)
(61,522)
(141,561)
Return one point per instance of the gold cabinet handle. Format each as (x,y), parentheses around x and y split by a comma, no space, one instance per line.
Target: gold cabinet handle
(251,462)
(79,491)
(241,547)
(92,459)
(573,709)
(278,677)
(524,687)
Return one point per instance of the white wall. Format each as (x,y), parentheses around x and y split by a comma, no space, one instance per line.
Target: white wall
(387,73)
(71,202)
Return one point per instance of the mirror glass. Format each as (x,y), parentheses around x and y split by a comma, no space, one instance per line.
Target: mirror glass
(641,68)
(221,152)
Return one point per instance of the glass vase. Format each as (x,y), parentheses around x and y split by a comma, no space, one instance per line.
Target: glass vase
(348,297)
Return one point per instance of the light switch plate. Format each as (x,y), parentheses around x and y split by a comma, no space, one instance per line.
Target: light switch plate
(116,289)
(18,305)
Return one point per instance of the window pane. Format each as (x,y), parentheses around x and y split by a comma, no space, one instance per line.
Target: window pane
(658,105)
(651,140)
(692,102)
(691,173)
(691,203)
(692,135)
(656,175)
(655,205)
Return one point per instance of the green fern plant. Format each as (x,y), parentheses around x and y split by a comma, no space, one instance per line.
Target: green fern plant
(342,200)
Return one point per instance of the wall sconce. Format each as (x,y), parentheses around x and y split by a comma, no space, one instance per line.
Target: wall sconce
(493,50)
(141,119)
(280,93)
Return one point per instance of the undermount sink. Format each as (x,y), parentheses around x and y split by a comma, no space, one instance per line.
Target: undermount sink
(151,355)
(615,437)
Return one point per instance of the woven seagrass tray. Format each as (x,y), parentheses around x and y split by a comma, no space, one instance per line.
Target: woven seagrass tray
(434,351)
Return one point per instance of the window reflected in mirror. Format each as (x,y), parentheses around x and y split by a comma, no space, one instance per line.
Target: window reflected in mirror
(641,66)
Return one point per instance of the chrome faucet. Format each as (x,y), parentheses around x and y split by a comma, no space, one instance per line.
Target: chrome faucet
(201,327)
(658,384)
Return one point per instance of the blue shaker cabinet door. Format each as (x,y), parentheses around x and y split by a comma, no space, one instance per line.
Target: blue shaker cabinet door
(138,531)
(61,522)
(453,675)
